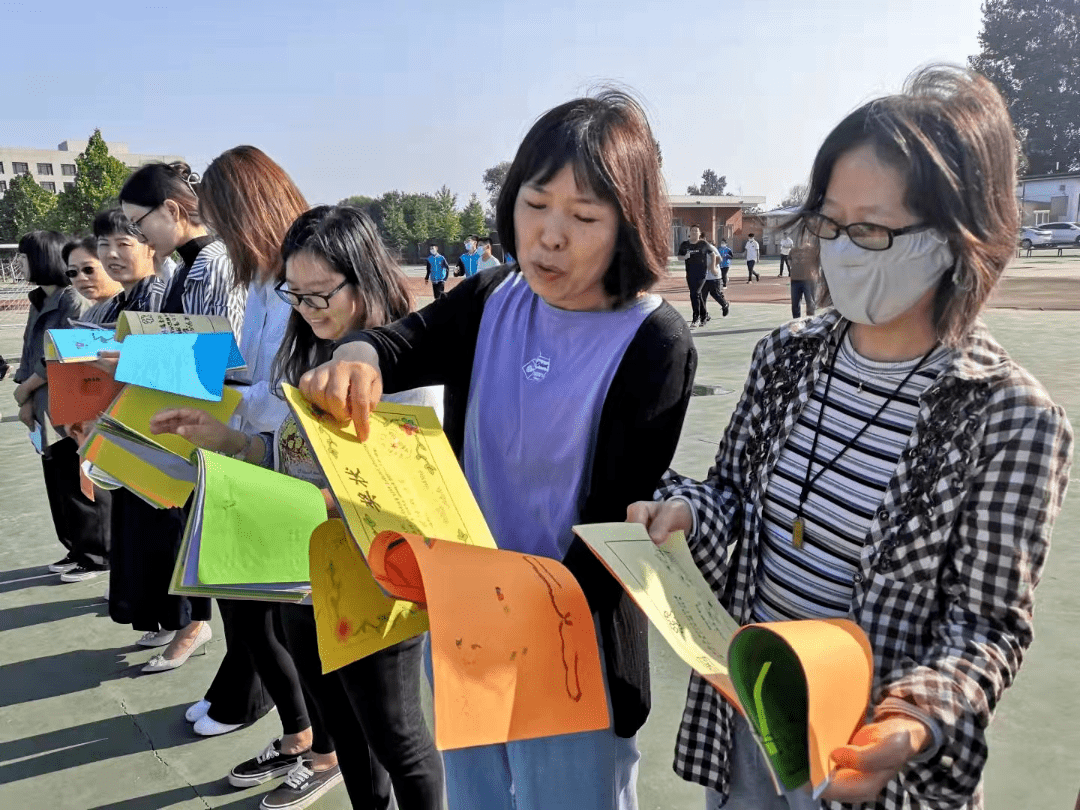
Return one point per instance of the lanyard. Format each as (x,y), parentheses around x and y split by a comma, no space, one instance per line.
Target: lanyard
(809,480)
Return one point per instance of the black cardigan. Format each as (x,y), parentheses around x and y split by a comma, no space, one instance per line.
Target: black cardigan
(636,438)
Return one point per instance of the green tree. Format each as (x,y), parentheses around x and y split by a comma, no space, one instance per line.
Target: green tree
(98,180)
(25,207)
(494,178)
(1031,50)
(711,185)
(445,220)
(395,231)
(472,218)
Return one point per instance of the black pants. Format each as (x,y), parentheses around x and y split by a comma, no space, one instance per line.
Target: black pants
(437,289)
(802,290)
(82,525)
(785,260)
(695,279)
(751,274)
(145,542)
(723,274)
(370,713)
(712,287)
(257,671)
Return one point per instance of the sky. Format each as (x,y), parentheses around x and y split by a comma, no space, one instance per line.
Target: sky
(367,96)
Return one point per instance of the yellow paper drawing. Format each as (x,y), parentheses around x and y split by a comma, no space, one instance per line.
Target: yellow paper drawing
(162,323)
(353,616)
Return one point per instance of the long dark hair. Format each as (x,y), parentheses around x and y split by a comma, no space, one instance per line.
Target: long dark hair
(345,238)
(154,183)
(44,254)
(608,142)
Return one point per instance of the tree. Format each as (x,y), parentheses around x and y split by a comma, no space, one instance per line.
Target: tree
(395,231)
(98,180)
(1031,51)
(472,218)
(796,196)
(445,221)
(711,185)
(25,207)
(494,178)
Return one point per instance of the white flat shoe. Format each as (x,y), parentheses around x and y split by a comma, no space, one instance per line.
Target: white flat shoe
(209,727)
(159,663)
(197,711)
(156,638)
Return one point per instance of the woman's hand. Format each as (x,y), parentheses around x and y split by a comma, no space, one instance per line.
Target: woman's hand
(26,414)
(199,428)
(876,754)
(661,518)
(348,387)
(107,362)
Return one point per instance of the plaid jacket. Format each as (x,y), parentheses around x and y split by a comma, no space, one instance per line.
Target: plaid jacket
(945,585)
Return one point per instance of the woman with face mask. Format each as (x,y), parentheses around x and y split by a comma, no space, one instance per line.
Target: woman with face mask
(887,462)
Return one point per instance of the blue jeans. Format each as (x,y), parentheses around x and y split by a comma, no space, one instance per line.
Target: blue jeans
(802,290)
(591,770)
(751,785)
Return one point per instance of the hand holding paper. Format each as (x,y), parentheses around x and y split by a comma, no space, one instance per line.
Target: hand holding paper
(877,753)
(195,425)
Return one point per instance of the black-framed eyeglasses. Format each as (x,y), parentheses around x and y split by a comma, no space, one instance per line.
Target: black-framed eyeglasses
(73,272)
(313,300)
(868,235)
(135,224)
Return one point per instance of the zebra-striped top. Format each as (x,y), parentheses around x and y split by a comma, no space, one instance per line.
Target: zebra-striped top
(209,286)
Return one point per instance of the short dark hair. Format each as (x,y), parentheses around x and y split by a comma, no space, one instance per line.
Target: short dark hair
(154,183)
(112,221)
(484,240)
(607,141)
(695,226)
(751,236)
(44,253)
(348,240)
(87,243)
(950,135)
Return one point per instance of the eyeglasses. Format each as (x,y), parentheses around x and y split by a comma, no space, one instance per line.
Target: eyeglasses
(73,272)
(868,235)
(313,300)
(135,225)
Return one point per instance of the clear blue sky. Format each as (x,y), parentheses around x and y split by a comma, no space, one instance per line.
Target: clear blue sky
(366,96)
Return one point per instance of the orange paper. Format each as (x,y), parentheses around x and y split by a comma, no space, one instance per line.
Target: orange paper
(78,392)
(513,643)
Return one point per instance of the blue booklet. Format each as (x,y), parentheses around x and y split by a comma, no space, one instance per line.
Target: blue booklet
(79,345)
(192,365)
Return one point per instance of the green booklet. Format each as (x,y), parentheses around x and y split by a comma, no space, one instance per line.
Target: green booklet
(248,532)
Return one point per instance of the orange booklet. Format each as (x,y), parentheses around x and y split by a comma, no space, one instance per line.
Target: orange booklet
(78,392)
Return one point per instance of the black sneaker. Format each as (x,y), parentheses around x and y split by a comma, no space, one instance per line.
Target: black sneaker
(81,572)
(60,566)
(270,764)
(726,309)
(301,788)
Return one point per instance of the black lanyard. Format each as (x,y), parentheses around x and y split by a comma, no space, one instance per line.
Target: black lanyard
(809,480)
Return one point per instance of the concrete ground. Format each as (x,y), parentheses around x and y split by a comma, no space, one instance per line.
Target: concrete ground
(81,728)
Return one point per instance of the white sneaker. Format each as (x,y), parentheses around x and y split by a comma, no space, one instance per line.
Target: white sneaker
(206,726)
(156,638)
(197,711)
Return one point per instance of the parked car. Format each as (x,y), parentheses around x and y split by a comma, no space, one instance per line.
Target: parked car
(1035,237)
(1064,233)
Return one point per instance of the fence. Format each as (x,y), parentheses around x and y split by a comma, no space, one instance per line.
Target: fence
(13,290)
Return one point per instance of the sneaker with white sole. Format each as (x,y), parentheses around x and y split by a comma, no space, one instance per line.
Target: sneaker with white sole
(60,566)
(81,573)
(302,787)
(270,764)
(197,711)
(156,638)
(207,726)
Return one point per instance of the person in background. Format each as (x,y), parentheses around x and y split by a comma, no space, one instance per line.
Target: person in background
(79,524)
(568,349)
(725,261)
(695,252)
(888,462)
(752,249)
(712,284)
(468,263)
(86,272)
(803,271)
(437,271)
(338,277)
(786,244)
(487,258)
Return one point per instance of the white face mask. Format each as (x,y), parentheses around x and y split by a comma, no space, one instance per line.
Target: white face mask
(877,286)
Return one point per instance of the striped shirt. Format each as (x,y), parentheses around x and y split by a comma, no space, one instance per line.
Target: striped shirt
(816,580)
(145,296)
(209,287)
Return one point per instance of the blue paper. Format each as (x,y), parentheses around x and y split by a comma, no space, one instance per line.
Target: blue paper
(192,365)
(82,344)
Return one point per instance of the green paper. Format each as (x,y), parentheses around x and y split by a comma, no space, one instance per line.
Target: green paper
(256,523)
(770,682)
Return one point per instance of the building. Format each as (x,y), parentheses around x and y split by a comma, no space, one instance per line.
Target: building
(772,230)
(718,217)
(1049,198)
(54,169)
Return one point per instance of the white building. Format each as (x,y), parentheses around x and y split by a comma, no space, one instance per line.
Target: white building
(1049,198)
(54,169)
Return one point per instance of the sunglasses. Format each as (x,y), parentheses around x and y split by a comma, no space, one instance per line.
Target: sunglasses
(74,272)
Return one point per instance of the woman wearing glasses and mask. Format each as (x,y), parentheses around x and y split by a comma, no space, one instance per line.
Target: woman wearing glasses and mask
(887,462)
